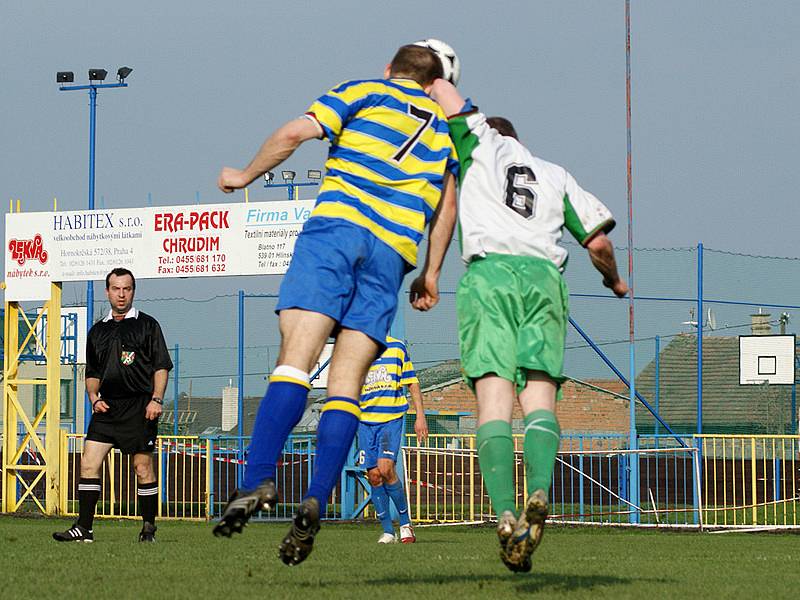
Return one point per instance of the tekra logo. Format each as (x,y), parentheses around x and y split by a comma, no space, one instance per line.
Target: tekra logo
(24,250)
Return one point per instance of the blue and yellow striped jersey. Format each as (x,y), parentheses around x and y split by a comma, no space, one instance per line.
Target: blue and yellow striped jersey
(382,397)
(390,148)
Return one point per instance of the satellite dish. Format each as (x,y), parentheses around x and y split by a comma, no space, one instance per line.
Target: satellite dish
(712,320)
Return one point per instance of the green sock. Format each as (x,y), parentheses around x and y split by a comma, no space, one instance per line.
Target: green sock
(496,457)
(542,435)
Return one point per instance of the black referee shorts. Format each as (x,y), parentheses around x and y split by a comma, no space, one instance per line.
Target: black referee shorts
(125,426)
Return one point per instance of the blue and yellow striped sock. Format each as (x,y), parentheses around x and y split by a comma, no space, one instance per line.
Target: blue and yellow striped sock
(280,410)
(335,434)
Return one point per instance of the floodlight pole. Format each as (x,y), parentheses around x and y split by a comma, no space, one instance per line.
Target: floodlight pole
(291,187)
(92,89)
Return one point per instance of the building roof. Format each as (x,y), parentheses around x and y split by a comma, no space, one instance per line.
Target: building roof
(203,416)
(444,373)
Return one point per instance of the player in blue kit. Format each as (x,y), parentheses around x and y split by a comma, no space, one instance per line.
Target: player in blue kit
(388,175)
(380,433)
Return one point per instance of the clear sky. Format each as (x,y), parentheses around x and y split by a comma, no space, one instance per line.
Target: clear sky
(716,92)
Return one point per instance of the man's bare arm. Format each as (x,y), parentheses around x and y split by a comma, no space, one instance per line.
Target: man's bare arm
(447,96)
(160,379)
(93,389)
(277,148)
(421,423)
(425,288)
(154,409)
(601,253)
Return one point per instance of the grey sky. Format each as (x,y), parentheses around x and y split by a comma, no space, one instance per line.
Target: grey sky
(715,96)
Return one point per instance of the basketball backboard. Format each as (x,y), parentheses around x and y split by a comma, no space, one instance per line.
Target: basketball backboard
(766,359)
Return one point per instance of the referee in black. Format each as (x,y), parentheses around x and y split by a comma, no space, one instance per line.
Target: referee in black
(127,367)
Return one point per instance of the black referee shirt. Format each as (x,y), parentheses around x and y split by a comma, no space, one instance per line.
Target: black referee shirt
(124,354)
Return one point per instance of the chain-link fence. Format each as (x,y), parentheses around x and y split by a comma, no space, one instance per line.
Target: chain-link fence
(225,342)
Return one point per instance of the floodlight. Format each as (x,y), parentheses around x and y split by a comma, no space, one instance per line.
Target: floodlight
(123,72)
(288,175)
(314,174)
(65,77)
(269,176)
(97,74)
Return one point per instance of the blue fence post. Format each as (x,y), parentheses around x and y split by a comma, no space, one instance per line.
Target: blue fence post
(633,488)
(87,405)
(240,383)
(700,338)
(658,384)
(776,481)
(699,372)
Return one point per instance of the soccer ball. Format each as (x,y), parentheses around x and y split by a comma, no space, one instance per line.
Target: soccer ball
(448,57)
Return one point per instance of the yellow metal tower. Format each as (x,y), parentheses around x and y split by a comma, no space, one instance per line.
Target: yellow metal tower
(17,475)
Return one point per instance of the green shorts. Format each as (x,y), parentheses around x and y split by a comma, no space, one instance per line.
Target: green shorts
(512,318)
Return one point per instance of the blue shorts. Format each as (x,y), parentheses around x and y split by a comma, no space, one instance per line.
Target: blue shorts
(381,440)
(343,271)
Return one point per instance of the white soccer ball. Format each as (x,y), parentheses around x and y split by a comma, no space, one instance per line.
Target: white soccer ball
(448,57)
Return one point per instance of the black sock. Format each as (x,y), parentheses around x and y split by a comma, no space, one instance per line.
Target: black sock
(88,495)
(148,501)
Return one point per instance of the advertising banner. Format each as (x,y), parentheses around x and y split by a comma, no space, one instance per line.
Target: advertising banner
(255,238)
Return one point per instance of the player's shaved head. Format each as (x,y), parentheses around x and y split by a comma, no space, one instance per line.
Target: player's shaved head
(417,63)
(503,126)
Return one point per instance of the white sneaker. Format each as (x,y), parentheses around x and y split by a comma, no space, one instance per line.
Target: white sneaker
(387,538)
(407,534)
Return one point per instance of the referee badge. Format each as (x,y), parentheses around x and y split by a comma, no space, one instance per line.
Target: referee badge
(127,358)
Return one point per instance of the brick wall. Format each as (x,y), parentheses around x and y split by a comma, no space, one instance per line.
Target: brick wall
(585,409)
(582,409)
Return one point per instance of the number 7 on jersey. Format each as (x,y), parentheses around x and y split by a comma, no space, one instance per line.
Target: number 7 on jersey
(426,117)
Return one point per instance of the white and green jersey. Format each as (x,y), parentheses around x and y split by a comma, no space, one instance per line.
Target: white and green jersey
(514,203)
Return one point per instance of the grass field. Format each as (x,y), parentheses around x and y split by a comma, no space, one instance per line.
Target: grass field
(447,562)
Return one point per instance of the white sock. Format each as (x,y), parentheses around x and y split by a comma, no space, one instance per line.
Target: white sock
(293,372)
